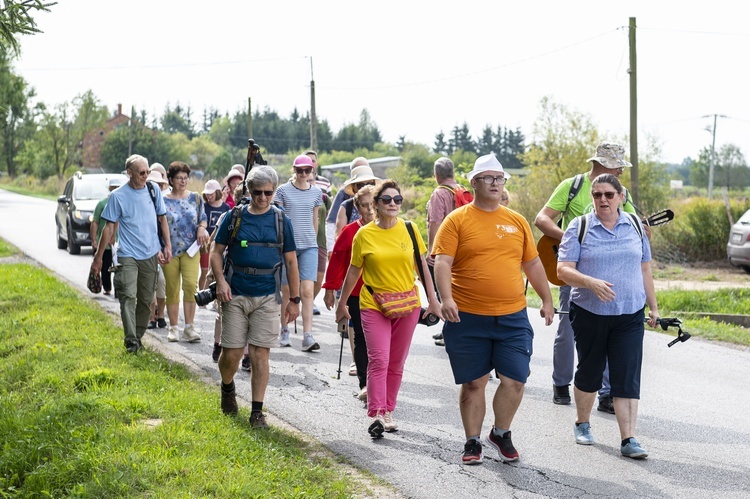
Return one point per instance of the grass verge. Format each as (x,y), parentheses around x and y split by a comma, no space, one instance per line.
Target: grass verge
(80,417)
(7,249)
(721,301)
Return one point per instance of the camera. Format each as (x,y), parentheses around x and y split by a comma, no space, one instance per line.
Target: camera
(430,320)
(206,296)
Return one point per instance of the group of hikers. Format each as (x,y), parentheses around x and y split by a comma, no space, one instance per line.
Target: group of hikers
(284,241)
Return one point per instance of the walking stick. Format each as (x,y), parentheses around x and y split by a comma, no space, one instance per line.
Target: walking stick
(341,329)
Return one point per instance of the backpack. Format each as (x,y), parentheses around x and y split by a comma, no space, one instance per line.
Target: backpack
(152,193)
(584,223)
(461,196)
(234,227)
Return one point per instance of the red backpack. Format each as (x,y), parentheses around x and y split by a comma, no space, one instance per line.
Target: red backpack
(461,195)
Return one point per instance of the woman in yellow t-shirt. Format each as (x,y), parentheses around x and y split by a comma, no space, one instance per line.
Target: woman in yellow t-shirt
(383,254)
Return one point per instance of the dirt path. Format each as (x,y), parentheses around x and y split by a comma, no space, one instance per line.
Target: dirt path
(705,276)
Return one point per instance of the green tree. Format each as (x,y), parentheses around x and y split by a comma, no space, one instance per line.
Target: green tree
(486,142)
(440,146)
(153,144)
(730,168)
(16,19)
(16,120)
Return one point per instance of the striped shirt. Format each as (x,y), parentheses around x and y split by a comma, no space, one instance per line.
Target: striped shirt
(614,256)
(298,205)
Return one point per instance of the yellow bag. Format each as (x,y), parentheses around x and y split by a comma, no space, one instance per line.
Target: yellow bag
(396,305)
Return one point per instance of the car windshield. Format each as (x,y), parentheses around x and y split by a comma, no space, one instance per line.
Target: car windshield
(91,190)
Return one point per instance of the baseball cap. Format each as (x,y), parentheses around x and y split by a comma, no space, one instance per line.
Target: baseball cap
(302,161)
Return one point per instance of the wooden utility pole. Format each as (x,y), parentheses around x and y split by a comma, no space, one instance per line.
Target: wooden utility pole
(313,118)
(130,130)
(249,119)
(634,190)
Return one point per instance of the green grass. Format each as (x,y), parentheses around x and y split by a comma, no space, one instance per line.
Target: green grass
(7,249)
(33,192)
(673,302)
(80,417)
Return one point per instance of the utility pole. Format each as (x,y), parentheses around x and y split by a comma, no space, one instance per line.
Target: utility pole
(313,118)
(713,154)
(634,190)
(130,131)
(249,119)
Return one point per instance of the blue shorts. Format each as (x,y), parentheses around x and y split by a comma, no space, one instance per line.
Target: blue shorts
(307,262)
(480,343)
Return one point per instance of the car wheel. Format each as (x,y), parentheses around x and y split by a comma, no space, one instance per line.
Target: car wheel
(746,268)
(61,243)
(73,248)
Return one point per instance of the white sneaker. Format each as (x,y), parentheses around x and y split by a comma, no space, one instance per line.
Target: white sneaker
(172,333)
(190,334)
(389,423)
(284,340)
(309,344)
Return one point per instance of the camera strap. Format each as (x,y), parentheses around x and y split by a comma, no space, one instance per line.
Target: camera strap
(417,260)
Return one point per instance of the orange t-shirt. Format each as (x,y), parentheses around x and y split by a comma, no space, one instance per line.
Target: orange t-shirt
(488,249)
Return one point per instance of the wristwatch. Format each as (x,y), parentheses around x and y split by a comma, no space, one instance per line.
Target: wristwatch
(296,300)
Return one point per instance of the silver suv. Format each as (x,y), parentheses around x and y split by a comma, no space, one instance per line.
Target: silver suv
(738,246)
(75,208)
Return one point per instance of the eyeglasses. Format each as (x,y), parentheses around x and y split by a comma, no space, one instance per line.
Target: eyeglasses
(364,206)
(608,194)
(300,171)
(257,192)
(489,179)
(396,199)
(181,179)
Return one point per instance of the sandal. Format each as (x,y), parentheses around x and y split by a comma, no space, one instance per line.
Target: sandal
(352,369)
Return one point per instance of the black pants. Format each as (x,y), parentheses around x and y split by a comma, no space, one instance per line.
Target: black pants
(106,274)
(360,346)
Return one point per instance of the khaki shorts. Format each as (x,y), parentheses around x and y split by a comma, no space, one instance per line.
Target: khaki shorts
(250,320)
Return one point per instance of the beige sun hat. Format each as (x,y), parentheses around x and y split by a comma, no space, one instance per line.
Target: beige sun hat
(610,156)
(361,173)
(155,176)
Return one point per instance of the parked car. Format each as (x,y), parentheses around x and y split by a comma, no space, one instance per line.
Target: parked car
(738,247)
(75,208)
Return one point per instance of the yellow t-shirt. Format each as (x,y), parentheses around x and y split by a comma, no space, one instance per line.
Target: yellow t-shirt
(488,249)
(386,257)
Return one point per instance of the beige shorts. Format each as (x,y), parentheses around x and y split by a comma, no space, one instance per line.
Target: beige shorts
(250,320)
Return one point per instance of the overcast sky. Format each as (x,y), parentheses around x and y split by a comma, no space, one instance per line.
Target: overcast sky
(417,67)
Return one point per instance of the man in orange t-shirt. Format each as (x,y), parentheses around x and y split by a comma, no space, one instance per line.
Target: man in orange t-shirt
(479,251)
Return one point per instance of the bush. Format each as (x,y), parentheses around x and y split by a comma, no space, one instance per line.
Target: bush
(699,232)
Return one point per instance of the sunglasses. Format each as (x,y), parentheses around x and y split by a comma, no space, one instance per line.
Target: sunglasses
(257,192)
(608,195)
(359,185)
(306,171)
(142,173)
(396,199)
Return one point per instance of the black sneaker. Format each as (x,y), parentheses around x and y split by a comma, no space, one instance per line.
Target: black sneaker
(229,402)
(437,336)
(504,446)
(606,405)
(561,395)
(151,325)
(246,366)
(161,323)
(217,351)
(472,452)
(377,427)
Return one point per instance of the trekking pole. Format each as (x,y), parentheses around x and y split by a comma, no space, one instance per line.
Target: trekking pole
(341,327)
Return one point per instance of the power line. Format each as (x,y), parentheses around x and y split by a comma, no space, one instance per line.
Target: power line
(160,66)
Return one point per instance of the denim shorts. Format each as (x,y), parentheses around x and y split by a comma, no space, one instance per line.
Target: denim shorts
(307,262)
(480,343)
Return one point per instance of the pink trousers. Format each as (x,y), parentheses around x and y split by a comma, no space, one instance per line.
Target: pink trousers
(388,342)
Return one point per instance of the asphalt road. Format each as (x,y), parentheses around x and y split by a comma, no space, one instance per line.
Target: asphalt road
(694,412)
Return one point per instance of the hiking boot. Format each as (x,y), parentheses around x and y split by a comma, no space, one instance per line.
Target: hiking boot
(582,432)
(284,340)
(472,452)
(172,333)
(161,323)
(388,422)
(245,365)
(309,344)
(633,449)
(504,446)
(258,421)
(377,427)
(151,325)
(362,395)
(561,395)
(217,351)
(606,405)
(229,402)
(190,334)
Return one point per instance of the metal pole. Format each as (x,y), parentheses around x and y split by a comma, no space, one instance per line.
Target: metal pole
(249,118)
(713,161)
(313,116)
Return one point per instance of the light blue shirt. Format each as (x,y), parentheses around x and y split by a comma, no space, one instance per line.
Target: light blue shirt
(134,210)
(614,256)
